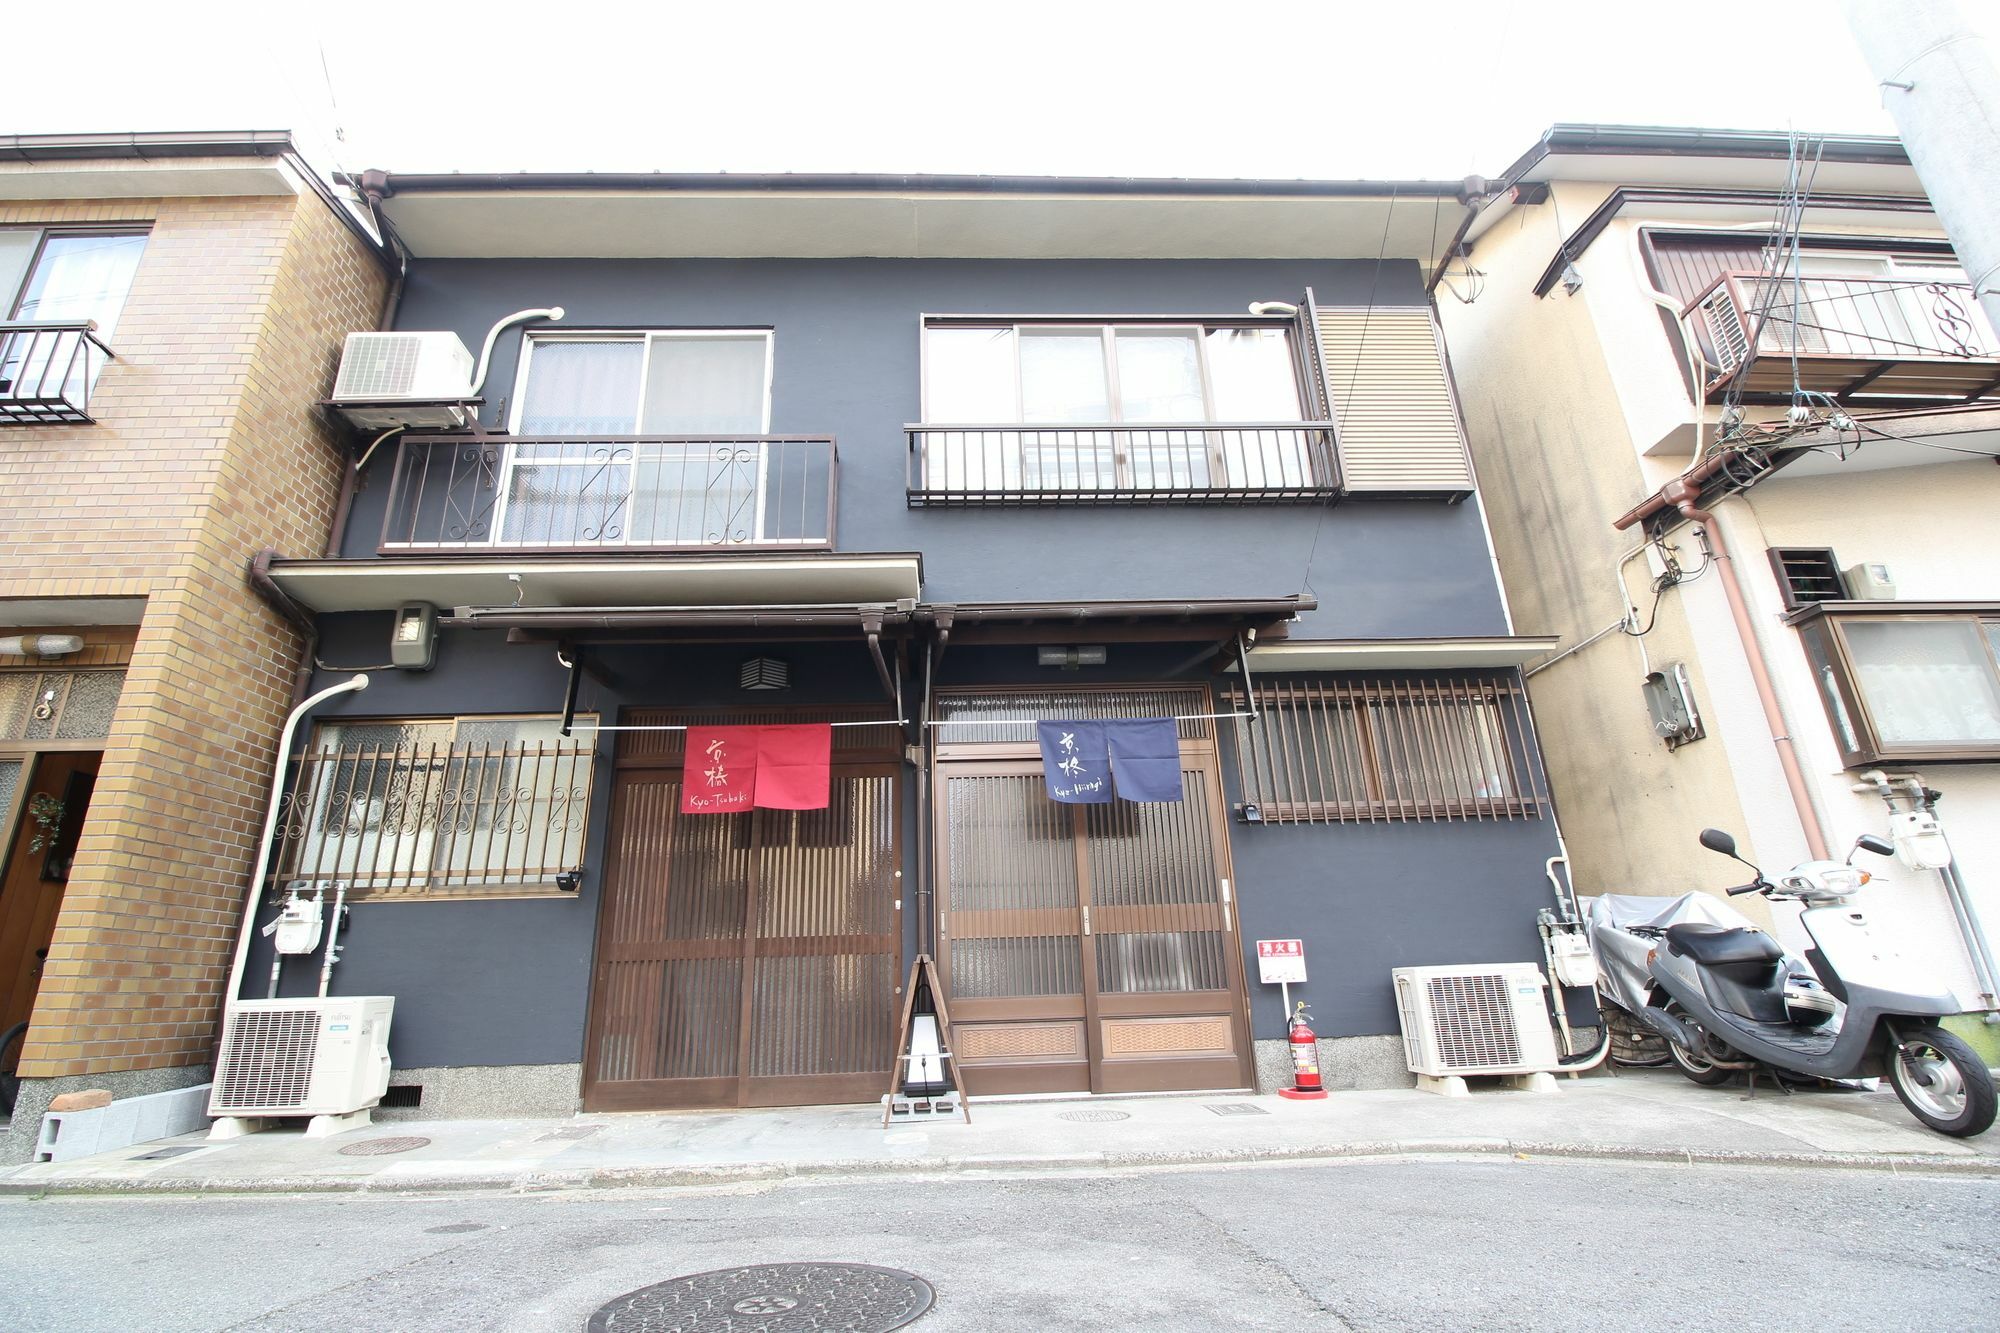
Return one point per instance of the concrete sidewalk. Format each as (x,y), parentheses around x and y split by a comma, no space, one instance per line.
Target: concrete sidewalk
(1643,1115)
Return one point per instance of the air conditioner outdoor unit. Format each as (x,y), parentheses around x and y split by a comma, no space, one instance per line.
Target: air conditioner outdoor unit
(325,1057)
(1478,1019)
(403,379)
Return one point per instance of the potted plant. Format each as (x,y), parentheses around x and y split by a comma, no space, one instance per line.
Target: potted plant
(47,811)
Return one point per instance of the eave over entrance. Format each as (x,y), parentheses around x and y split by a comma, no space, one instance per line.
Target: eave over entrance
(1398,654)
(528,582)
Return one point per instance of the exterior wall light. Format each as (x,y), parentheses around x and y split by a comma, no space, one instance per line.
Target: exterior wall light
(1068,658)
(41,645)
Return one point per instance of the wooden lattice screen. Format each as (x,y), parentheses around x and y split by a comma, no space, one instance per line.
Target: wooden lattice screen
(1349,749)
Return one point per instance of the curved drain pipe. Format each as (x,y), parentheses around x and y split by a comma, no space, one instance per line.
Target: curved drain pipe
(256,890)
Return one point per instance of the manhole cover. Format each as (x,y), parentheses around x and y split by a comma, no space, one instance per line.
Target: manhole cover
(1236,1108)
(772,1298)
(571,1132)
(454,1228)
(160,1154)
(1094,1117)
(382,1147)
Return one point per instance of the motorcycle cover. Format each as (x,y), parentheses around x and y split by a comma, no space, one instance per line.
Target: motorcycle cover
(1623,977)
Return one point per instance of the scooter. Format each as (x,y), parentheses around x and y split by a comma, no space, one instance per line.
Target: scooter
(1728,1001)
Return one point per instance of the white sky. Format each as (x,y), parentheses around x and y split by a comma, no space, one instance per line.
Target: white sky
(1333,89)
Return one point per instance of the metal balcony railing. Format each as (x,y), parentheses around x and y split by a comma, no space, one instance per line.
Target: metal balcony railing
(667,492)
(47,370)
(1151,463)
(1894,337)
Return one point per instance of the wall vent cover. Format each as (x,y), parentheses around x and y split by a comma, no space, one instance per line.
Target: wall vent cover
(1807,575)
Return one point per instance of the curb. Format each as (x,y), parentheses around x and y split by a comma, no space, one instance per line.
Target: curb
(699,1177)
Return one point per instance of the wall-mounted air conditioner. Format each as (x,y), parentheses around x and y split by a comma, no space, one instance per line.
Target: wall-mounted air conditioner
(1478,1019)
(324,1057)
(418,380)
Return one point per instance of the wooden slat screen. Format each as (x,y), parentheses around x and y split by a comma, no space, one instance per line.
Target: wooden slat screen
(1391,394)
(1362,749)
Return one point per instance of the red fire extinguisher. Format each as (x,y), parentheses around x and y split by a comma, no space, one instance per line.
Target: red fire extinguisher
(1306,1084)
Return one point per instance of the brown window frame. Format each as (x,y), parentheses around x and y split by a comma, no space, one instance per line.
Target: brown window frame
(382,874)
(1823,627)
(1398,757)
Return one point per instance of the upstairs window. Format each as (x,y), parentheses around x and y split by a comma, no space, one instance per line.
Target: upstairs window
(54,286)
(682,382)
(1072,408)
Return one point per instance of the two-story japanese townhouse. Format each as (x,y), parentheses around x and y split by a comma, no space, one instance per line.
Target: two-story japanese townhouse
(929,459)
(1733,390)
(171,308)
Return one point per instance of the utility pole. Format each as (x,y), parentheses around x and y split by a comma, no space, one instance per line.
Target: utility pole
(1938,81)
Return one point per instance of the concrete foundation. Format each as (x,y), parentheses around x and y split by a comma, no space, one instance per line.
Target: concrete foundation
(1345,1063)
(481,1092)
(23,1132)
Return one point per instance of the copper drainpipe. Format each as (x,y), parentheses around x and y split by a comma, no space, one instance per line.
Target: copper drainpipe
(1682,493)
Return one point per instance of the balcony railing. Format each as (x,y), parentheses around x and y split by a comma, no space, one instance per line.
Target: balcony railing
(1153,463)
(1886,337)
(666,492)
(47,371)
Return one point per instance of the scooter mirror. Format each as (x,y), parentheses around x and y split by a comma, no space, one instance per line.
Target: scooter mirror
(1869,842)
(1717,841)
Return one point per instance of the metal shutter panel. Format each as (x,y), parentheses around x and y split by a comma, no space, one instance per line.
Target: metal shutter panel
(1392,398)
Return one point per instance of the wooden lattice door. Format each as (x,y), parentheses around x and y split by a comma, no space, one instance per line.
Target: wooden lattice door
(746,959)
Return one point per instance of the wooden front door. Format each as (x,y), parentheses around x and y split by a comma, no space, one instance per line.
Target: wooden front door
(746,959)
(31,881)
(1088,947)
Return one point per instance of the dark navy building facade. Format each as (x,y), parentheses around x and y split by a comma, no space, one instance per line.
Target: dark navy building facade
(929,500)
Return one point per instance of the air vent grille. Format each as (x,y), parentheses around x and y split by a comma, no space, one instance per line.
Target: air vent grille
(267,1058)
(1472,1019)
(382,365)
(1807,574)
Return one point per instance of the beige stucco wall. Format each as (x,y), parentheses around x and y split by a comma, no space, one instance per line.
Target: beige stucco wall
(1556,464)
(1576,411)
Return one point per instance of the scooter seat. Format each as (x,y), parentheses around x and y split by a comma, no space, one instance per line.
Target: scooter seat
(1722,946)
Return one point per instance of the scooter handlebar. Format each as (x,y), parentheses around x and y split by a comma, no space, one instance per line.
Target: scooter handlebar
(1753,886)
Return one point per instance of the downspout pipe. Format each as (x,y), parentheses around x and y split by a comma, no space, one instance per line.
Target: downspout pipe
(294,615)
(256,890)
(1683,495)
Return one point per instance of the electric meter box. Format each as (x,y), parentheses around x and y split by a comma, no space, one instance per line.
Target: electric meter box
(1869,583)
(413,641)
(1670,701)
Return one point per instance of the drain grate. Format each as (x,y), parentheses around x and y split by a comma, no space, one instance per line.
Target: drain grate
(382,1147)
(454,1228)
(1236,1108)
(569,1132)
(773,1298)
(161,1154)
(1094,1117)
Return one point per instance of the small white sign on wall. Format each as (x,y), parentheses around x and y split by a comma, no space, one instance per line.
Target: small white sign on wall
(1281,961)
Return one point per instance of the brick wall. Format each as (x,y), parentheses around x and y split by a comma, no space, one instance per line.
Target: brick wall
(208,446)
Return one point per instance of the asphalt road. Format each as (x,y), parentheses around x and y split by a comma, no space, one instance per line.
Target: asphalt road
(1428,1244)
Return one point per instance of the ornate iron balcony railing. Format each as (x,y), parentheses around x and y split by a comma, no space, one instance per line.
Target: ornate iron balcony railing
(1883,336)
(661,492)
(47,370)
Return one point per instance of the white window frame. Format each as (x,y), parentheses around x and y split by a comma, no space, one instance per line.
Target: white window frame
(646,338)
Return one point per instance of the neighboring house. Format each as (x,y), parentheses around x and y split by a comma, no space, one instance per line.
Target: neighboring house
(936,457)
(171,306)
(1783,324)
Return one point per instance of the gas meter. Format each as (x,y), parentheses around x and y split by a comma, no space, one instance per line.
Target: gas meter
(1920,841)
(298,924)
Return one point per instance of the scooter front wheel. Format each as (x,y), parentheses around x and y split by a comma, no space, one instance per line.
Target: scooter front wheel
(1697,1067)
(1941,1081)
